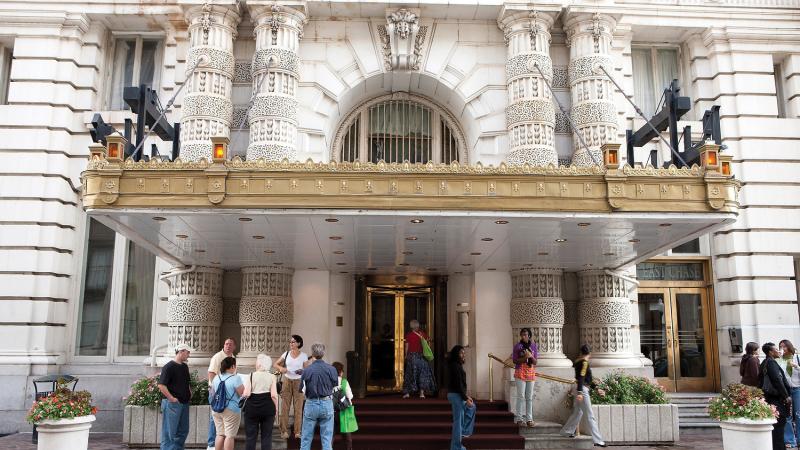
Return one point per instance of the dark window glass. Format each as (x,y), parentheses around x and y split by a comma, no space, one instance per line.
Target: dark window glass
(93,337)
(138,301)
(692,246)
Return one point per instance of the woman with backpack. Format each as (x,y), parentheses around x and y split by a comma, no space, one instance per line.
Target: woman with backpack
(418,375)
(790,363)
(346,416)
(227,388)
(260,400)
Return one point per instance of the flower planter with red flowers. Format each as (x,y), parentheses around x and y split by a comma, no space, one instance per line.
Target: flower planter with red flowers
(63,419)
(745,418)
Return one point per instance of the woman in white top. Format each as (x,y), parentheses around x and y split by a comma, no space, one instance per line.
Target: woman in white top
(291,365)
(790,363)
(260,406)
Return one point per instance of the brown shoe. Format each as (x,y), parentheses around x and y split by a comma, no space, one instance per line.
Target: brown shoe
(531,423)
(284,435)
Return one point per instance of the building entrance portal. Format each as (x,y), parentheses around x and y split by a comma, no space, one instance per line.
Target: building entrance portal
(389,312)
(678,327)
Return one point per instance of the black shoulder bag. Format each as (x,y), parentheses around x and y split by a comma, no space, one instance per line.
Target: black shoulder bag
(766,383)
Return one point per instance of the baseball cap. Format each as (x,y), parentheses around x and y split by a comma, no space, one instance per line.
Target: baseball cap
(181,347)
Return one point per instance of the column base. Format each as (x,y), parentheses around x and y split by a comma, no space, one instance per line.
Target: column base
(553,360)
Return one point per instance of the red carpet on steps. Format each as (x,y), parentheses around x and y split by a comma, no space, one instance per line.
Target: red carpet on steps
(393,423)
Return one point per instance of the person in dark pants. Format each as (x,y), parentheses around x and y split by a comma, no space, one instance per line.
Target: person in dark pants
(776,391)
(260,405)
(174,385)
(749,366)
(463,406)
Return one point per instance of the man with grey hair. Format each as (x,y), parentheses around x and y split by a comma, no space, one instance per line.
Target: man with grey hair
(318,380)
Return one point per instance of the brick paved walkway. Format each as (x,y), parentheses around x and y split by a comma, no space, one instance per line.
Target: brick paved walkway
(690,439)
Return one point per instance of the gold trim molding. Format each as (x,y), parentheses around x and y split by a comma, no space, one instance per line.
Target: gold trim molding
(261,184)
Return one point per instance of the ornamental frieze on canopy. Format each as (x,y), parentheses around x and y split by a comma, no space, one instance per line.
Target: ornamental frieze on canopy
(282,184)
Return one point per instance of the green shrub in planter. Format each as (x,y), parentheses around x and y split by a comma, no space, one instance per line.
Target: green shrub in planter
(738,401)
(619,388)
(145,392)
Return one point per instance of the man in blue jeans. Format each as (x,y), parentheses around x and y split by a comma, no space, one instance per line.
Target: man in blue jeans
(174,384)
(213,369)
(318,381)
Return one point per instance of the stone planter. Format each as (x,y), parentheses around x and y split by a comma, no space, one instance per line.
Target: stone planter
(636,424)
(141,426)
(746,434)
(65,434)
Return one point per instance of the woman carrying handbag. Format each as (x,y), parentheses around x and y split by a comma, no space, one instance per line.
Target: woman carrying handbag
(347,412)
(259,404)
(776,391)
(290,365)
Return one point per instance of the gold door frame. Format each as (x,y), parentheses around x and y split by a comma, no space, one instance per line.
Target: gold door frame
(673,382)
(399,336)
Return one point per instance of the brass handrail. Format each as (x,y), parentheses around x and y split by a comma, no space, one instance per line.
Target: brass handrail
(511,366)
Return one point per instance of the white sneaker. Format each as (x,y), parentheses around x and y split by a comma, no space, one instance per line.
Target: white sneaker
(210,448)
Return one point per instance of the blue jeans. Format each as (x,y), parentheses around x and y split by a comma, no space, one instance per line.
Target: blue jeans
(175,425)
(212,429)
(791,433)
(463,420)
(317,410)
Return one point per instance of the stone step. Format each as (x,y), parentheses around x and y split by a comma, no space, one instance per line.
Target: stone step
(539,428)
(553,441)
(690,414)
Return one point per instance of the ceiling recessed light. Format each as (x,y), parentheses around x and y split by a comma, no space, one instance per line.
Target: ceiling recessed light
(411,238)
(344,272)
(159,218)
(269,252)
(258,237)
(432,269)
(200,250)
(181,236)
(341,264)
(584,224)
(633,241)
(543,253)
(408,253)
(608,254)
(403,264)
(559,240)
(665,224)
(335,238)
(277,264)
(311,268)
(501,222)
(458,273)
(372,268)
(528,265)
(466,264)
(338,252)
(475,253)
(487,239)
(245,219)
(491,268)
(214,262)
(331,220)
(416,221)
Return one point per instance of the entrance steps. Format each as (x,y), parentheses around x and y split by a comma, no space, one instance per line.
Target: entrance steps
(693,409)
(393,423)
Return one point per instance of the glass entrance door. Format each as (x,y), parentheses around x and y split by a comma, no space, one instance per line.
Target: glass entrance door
(388,313)
(676,334)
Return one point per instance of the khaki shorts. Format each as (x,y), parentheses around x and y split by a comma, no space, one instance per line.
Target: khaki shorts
(226,422)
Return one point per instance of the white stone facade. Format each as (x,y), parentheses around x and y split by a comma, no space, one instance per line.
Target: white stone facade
(58,63)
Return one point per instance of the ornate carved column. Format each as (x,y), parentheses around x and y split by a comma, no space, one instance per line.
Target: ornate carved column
(273,118)
(266,310)
(604,316)
(207,108)
(536,303)
(593,109)
(194,310)
(530,115)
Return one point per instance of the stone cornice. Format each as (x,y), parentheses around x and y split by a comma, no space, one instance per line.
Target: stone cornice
(259,184)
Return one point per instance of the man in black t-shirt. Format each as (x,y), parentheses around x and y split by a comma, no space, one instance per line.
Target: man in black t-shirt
(174,385)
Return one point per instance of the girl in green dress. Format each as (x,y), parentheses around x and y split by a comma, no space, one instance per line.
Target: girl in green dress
(347,418)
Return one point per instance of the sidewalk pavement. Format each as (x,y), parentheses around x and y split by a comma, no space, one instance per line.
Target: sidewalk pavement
(695,439)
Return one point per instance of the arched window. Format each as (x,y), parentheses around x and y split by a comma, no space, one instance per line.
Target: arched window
(399,128)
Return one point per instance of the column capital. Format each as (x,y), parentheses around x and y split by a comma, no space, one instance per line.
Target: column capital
(516,19)
(278,14)
(204,13)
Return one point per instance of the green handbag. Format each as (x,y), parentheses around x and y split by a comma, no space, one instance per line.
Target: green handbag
(427,353)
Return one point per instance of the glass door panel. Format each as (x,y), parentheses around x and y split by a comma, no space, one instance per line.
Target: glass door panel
(653,320)
(382,329)
(691,337)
